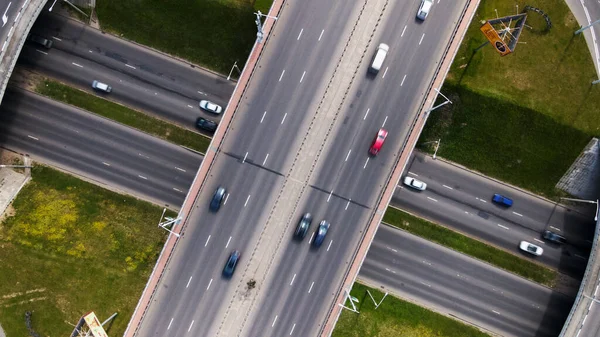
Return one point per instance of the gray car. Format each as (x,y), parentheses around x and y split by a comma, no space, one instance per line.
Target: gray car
(424,9)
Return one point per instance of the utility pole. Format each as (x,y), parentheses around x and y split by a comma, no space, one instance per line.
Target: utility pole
(437,106)
(436,148)
(260,33)
(234,67)
(580,30)
(586,201)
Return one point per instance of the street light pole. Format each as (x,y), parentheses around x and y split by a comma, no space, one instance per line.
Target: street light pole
(260,33)
(580,30)
(586,201)
(50,9)
(437,106)
(437,147)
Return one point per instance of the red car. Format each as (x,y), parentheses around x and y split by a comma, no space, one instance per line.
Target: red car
(378,142)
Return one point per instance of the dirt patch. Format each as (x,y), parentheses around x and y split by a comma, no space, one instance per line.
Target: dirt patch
(25,79)
(10,211)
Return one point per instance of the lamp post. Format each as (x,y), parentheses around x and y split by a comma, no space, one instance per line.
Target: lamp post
(586,201)
(437,147)
(54,3)
(439,105)
(260,33)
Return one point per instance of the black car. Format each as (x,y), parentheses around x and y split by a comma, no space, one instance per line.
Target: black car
(40,41)
(553,237)
(218,198)
(205,124)
(232,261)
(303,226)
(321,233)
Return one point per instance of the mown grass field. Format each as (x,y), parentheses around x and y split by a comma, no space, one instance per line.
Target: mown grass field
(211,33)
(396,318)
(469,246)
(522,118)
(123,115)
(72,247)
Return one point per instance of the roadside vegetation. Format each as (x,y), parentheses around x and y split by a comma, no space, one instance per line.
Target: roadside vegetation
(212,34)
(123,115)
(471,247)
(525,117)
(395,317)
(71,247)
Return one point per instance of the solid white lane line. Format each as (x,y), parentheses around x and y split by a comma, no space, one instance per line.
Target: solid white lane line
(171,322)
(348,204)
(556,229)
(284,116)
(311,237)
(105,163)
(228,241)
(320,36)
(32,137)
(4,45)
(78,65)
(190,328)
(499,225)
(401,35)
(132,67)
(348,155)
(385,120)
(227,197)
(311,285)
(385,72)
(414,174)
(247,199)
(245,156)
(275,320)
(515,213)
(43,52)
(301,30)
(432,199)
(178,190)
(366,162)
(207,239)
(292,331)
(538,240)
(448,187)
(209,283)
(180,169)
(264,161)
(54,37)
(190,280)
(142,177)
(366,113)
(280,77)
(301,78)
(421,40)
(330,242)
(263,117)
(293,278)
(403,78)
(329,197)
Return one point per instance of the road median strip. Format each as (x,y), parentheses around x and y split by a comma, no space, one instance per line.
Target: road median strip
(474,248)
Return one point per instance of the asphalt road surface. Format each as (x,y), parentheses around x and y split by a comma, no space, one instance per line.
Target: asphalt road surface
(141,78)
(457,285)
(108,153)
(461,200)
(193,299)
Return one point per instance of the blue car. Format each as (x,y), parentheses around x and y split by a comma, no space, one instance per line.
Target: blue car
(502,200)
(218,198)
(232,261)
(321,233)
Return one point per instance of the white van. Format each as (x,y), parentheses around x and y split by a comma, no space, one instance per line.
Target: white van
(378,58)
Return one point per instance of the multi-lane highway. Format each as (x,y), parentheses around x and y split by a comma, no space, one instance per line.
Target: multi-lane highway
(141,78)
(262,161)
(460,199)
(457,285)
(96,148)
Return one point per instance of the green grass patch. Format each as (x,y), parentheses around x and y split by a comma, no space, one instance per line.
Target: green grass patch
(396,318)
(123,115)
(525,117)
(471,247)
(72,247)
(211,33)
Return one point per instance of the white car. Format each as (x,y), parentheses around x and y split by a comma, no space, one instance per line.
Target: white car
(424,9)
(210,106)
(101,86)
(414,183)
(531,248)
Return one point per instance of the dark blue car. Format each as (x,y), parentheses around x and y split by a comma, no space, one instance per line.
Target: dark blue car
(232,261)
(321,233)
(502,200)
(218,198)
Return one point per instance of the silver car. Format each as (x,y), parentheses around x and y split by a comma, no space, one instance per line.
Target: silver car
(210,106)
(424,9)
(414,183)
(101,86)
